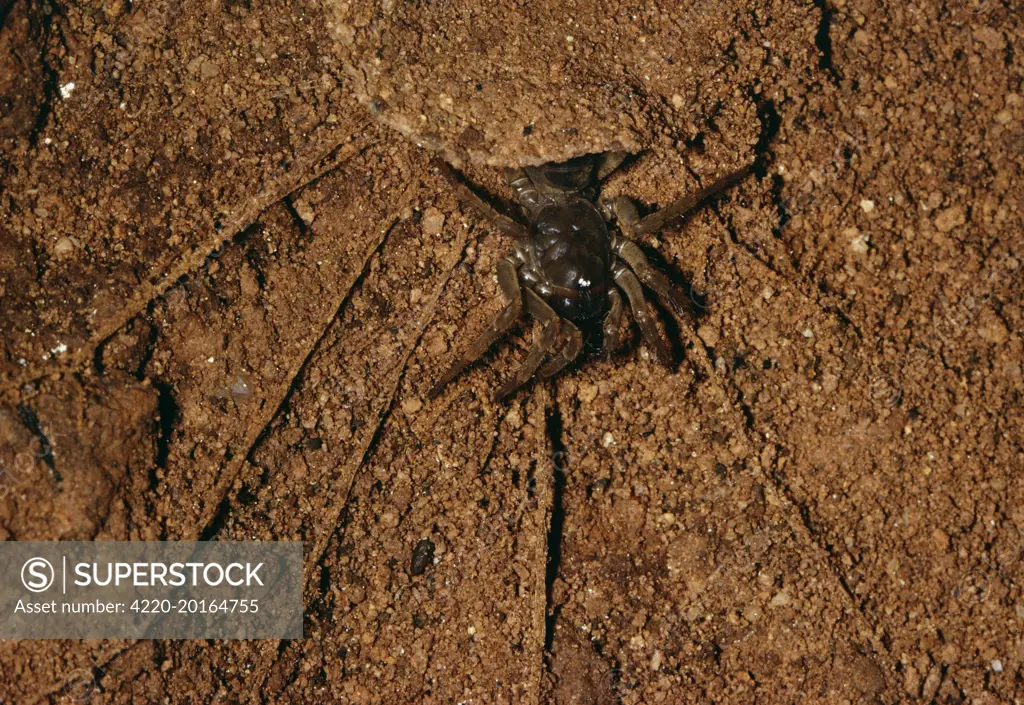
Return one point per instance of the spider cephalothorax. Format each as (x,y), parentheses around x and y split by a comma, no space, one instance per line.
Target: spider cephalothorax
(569,269)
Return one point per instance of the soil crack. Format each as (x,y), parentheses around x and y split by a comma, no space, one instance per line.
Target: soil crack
(823,40)
(28,417)
(556,528)
(52,75)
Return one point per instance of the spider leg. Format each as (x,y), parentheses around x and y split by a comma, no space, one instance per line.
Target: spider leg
(572,348)
(670,296)
(522,186)
(628,282)
(542,345)
(673,210)
(609,162)
(612,326)
(508,280)
(471,200)
(624,210)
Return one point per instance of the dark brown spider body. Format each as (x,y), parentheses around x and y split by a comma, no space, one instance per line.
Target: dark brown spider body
(569,269)
(572,247)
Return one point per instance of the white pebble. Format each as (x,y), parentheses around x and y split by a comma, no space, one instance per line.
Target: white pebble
(859,244)
(65,90)
(867,206)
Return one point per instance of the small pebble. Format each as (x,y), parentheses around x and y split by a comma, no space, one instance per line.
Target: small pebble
(433,221)
(708,334)
(304,211)
(63,247)
(422,556)
(859,244)
(949,218)
(867,206)
(240,389)
(587,393)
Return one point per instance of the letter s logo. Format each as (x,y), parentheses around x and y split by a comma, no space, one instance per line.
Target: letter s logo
(37,574)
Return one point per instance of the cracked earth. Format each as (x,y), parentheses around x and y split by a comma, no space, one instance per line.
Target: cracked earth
(230,272)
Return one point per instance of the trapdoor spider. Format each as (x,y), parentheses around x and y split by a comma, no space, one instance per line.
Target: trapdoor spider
(568,269)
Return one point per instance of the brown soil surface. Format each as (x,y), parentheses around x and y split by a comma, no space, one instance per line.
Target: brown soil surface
(229,273)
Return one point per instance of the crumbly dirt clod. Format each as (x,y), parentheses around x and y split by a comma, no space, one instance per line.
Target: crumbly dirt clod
(550,80)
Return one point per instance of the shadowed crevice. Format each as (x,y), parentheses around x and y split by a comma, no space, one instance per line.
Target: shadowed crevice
(769,124)
(823,40)
(169,415)
(5,9)
(28,417)
(557,526)
(42,25)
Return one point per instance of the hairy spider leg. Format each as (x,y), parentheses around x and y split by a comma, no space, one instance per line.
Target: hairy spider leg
(628,252)
(624,210)
(467,197)
(612,326)
(508,280)
(543,344)
(572,345)
(523,187)
(685,204)
(610,161)
(627,281)
(670,296)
